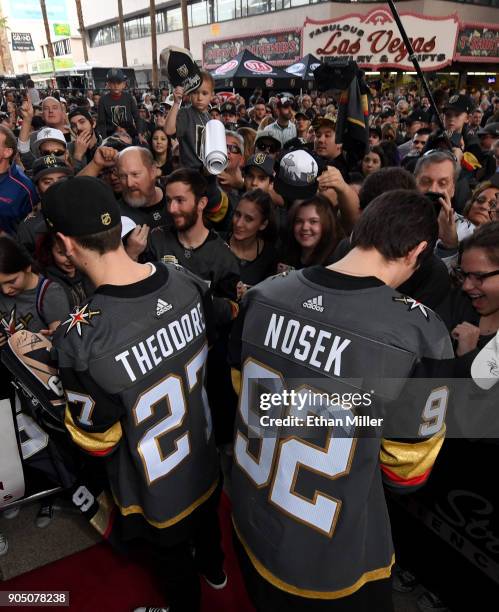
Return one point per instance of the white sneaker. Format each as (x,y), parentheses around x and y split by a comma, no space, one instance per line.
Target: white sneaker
(4,544)
(11,513)
(149,609)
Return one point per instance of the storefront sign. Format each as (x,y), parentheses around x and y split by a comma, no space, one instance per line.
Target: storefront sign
(279,48)
(477,42)
(45,65)
(374,42)
(62,29)
(21,41)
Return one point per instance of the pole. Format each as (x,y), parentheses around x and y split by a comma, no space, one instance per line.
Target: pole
(185,23)
(415,63)
(49,40)
(154,44)
(122,33)
(82,29)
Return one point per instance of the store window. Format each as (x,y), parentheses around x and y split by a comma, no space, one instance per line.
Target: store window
(198,14)
(225,10)
(174,19)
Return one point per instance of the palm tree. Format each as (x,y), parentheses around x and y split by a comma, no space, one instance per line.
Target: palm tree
(47,34)
(154,44)
(122,33)
(82,29)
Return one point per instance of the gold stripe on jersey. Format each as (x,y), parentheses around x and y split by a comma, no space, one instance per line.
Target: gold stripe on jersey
(409,460)
(235,376)
(377,574)
(101,520)
(126,510)
(93,442)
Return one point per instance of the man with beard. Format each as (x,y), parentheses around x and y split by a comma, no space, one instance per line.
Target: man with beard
(142,200)
(282,129)
(190,243)
(87,141)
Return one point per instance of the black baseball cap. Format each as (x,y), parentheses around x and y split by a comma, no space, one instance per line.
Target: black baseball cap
(308,113)
(489,129)
(296,175)
(80,111)
(80,206)
(262,161)
(228,108)
(115,75)
(460,104)
(417,115)
(48,164)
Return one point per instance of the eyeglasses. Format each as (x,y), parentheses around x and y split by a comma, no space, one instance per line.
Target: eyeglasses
(267,147)
(446,152)
(233,149)
(476,278)
(57,153)
(484,200)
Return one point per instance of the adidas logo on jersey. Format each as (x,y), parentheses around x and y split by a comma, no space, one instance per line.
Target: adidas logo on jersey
(314,304)
(162,307)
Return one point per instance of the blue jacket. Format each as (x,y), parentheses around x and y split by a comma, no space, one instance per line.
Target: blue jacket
(18,197)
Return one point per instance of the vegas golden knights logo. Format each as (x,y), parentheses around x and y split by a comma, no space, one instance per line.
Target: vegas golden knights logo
(183,71)
(50,160)
(260,158)
(105,218)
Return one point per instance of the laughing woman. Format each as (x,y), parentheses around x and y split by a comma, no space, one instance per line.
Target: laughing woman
(161,150)
(314,234)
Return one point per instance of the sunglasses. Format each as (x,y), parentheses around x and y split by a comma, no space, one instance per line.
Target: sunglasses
(268,148)
(476,277)
(57,153)
(231,148)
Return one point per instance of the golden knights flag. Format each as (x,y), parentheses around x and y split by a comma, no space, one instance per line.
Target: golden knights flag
(352,127)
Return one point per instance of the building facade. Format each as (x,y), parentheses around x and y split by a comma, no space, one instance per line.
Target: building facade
(280,31)
(26,42)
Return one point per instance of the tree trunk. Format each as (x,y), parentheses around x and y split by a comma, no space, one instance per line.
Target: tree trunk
(47,34)
(122,34)
(82,29)
(185,23)
(154,44)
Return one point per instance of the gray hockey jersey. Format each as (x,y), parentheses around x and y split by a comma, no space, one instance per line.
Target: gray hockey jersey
(132,365)
(308,500)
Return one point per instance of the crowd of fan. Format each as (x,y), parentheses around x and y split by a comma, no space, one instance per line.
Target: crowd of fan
(288,198)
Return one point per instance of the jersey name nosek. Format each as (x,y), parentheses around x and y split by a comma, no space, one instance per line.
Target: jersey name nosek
(160,345)
(306,343)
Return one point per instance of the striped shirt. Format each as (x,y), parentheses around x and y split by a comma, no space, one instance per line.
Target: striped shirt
(282,134)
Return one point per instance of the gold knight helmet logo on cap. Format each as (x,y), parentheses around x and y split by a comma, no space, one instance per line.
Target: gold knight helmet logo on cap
(105,218)
(183,71)
(50,160)
(260,158)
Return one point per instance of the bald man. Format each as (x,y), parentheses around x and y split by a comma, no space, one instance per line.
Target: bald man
(54,117)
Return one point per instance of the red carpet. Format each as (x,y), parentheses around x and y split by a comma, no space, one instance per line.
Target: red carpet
(99,580)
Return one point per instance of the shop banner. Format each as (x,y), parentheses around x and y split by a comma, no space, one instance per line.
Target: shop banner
(374,42)
(21,41)
(278,48)
(477,42)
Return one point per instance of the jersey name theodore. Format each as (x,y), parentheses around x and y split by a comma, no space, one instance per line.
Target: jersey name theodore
(149,353)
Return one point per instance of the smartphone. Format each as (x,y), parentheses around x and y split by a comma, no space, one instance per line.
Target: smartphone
(435,200)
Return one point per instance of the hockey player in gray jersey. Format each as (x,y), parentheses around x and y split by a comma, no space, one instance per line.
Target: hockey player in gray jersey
(132,363)
(311,523)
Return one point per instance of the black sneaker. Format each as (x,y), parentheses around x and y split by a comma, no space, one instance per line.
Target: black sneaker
(429,602)
(45,515)
(217,580)
(403,581)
